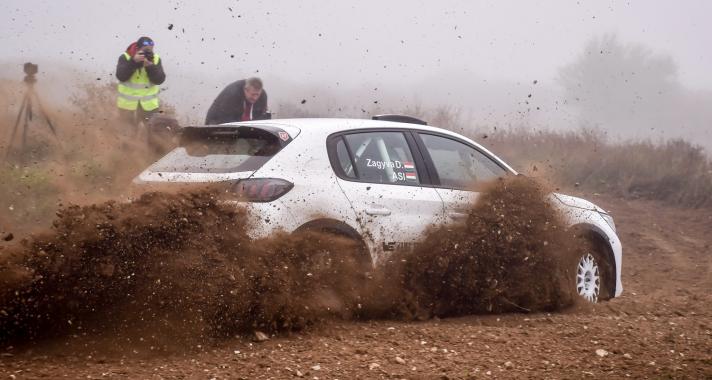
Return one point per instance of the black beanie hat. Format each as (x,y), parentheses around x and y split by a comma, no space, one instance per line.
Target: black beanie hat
(144,41)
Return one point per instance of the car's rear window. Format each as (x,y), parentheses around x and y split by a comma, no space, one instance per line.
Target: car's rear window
(221,150)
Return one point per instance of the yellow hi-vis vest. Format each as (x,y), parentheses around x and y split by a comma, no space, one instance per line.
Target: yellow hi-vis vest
(138,89)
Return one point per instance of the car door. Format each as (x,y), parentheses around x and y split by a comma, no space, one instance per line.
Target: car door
(385,180)
(456,169)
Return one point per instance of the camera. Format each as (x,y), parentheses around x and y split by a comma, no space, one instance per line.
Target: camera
(148,55)
(30,68)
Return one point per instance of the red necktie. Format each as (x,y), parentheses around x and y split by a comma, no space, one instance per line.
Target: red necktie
(247,113)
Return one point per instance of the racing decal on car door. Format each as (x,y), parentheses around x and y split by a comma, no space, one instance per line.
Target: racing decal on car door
(410,175)
(400,175)
(382,165)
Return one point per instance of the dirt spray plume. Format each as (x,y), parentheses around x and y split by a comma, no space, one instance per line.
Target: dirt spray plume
(512,253)
(184,265)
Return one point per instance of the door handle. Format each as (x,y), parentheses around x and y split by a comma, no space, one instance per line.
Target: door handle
(457,215)
(378,211)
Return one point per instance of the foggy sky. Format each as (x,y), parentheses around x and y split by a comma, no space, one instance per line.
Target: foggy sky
(399,49)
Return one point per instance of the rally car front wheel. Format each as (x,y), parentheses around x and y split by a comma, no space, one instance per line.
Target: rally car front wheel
(593,275)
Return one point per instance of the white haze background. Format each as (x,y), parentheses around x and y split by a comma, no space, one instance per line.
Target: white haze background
(635,69)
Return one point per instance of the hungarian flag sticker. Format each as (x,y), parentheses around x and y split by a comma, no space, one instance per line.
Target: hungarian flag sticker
(407,165)
(411,177)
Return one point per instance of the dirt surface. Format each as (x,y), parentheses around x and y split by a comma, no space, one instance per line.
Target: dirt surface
(661,327)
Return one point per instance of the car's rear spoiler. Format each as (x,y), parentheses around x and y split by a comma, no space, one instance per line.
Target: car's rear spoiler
(201,131)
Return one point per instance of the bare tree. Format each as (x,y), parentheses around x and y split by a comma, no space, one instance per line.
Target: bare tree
(624,88)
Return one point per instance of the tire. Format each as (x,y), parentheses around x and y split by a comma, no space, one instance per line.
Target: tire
(594,275)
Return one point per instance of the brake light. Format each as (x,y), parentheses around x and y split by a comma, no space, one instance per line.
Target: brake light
(261,189)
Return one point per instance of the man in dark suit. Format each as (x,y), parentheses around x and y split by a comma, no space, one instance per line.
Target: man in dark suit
(243,100)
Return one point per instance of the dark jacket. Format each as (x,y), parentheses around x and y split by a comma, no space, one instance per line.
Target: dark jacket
(229,105)
(125,68)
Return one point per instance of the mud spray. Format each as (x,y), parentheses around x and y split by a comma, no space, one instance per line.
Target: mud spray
(183,265)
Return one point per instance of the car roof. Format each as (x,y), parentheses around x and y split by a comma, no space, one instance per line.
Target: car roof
(332,125)
(326,126)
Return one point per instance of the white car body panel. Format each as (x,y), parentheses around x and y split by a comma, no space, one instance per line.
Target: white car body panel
(392,216)
(316,194)
(457,203)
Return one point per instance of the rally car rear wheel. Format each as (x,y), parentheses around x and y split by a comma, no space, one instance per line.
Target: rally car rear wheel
(357,255)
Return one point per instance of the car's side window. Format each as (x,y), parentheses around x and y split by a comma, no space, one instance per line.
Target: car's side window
(381,157)
(458,165)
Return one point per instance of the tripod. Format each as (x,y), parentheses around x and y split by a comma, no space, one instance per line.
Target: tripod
(26,111)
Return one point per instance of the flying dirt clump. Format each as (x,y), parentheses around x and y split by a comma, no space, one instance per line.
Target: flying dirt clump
(183,265)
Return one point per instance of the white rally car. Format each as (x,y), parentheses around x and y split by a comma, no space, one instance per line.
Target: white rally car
(381,182)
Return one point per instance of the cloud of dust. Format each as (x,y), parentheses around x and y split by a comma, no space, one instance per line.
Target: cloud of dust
(182,266)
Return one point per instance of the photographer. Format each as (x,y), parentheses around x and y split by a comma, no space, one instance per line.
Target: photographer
(139,71)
